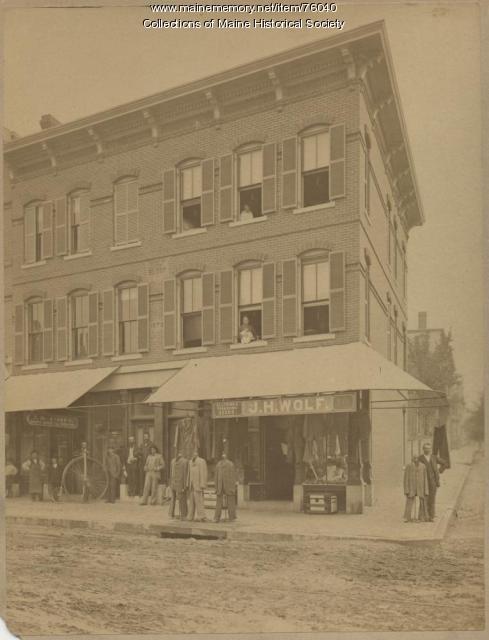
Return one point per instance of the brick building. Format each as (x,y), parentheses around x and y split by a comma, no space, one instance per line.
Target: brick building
(250,227)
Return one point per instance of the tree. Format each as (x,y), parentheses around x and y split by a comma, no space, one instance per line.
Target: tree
(474,424)
(436,367)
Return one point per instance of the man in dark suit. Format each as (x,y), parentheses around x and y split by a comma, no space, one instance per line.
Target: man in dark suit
(130,461)
(144,451)
(114,468)
(226,480)
(178,485)
(431,463)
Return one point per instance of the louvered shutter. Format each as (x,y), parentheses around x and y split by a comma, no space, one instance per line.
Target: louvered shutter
(84,233)
(226,188)
(19,335)
(30,235)
(61,328)
(268,301)
(208,192)
(169,201)
(61,227)
(337,304)
(226,307)
(170,314)
(208,309)
(93,324)
(48,331)
(289,297)
(143,317)
(289,172)
(337,154)
(108,323)
(269,186)
(47,230)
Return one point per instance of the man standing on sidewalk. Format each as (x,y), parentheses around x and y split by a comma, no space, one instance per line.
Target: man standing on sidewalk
(144,451)
(114,468)
(130,455)
(178,485)
(197,482)
(152,468)
(226,480)
(431,463)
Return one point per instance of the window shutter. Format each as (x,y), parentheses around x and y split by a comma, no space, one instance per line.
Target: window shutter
(226,188)
(47,230)
(169,204)
(48,331)
(84,221)
(19,337)
(269,187)
(208,192)
(61,227)
(337,154)
(208,309)
(170,314)
(289,297)
(62,328)
(143,317)
(93,324)
(337,304)
(289,173)
(268,301)
(108,323)
(226,307)
(30,235)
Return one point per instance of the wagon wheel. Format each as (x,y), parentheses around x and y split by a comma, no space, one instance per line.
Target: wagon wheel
(92,484)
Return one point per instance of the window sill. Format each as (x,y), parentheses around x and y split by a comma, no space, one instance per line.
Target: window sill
(75,363)
(316,207)
(75,256)
(129,245)
(33,264)
(249,345)
(315,338)
(239,223)
(34,367)
(190,232)
(189,350)
(127,356)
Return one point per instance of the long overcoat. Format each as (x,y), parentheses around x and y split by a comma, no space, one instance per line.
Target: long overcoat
(197,474)
(179,474)
(226,478)
(416,480)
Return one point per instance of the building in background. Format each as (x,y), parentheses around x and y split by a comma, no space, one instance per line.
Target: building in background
(233,250)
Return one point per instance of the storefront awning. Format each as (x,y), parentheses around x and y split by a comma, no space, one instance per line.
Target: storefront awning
(349,367)
(50,390)
(136,380)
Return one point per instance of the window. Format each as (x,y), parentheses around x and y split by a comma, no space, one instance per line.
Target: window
(33,228)
(395,336)
(250,283)
(191,191)
(315,169)
(191,305)
(35,331)
(367,301)
(315,297)
(79,221)
(250,175)
(79,327)
(126,211)
(389,328)
(366,180)
(128,320)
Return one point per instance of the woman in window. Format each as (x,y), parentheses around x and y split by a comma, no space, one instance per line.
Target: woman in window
(246,332)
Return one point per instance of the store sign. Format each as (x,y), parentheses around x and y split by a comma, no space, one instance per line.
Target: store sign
(284,406)
(39,419)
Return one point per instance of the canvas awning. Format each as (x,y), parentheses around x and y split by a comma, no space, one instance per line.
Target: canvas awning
(302,371)
(58,390)
(136,380)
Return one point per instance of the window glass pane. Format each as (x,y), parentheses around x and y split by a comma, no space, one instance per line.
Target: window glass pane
(197,181)
(309,153)
(121,197)
(124,304)
(133,303)
(75,210)
(245,169)
(245,287)
(316,320)
(187,296)
(132,196)
(309,282)
(134,336)
(186,184)
(191,182)
(322,152)
(82,238)
(197,294)
(30,221)
(256,288)
(192,330)
(256,166)
(316,187)
(323,280)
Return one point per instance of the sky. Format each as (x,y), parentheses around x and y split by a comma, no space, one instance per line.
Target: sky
(73,62)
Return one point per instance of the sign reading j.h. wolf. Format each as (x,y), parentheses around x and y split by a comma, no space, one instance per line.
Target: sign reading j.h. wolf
(283,405)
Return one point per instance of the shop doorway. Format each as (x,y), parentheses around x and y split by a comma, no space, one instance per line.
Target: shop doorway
(279,473)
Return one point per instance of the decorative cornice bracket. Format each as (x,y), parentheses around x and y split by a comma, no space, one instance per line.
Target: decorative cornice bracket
(277,85)
(349,62)
(96,139)
(155,130)
(216,110)
(51,155)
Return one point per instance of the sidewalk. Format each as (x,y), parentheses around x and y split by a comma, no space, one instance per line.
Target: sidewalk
(380,522)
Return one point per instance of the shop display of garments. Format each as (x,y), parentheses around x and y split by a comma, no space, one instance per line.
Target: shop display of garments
(188,440)
(440,447)
(416,480)
(179,474)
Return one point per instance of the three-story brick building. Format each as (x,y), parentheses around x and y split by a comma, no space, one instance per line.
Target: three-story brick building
(234,249)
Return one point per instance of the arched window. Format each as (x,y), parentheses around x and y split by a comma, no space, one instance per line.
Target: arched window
(191,195)
(191,309)
(35,329)
(315,147)
(315,285)
(38,239)
(250,298)
(127,317)
(79,221)
(250,178)
(79,321)
(126,211)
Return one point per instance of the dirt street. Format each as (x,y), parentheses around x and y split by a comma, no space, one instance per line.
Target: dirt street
(74,581)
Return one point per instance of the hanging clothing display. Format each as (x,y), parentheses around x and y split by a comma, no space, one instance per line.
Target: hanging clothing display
(440,447)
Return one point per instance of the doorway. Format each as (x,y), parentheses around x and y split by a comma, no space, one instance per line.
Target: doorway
(279,473)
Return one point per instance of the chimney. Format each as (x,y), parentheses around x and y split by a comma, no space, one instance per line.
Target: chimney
(47,121)
(422,320)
